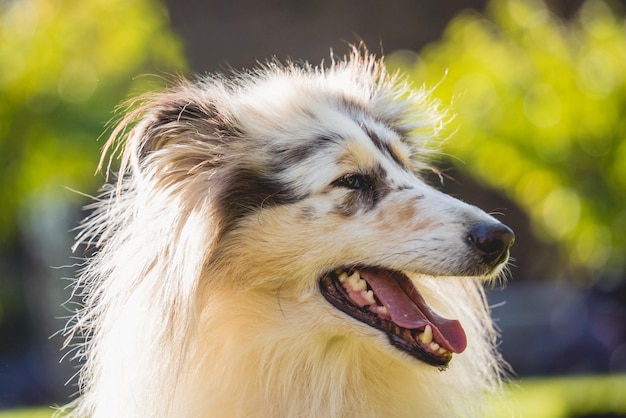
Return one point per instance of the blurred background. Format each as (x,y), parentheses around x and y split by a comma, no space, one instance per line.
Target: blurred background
(538,90)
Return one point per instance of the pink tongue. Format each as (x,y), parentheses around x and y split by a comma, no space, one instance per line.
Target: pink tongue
(408,308)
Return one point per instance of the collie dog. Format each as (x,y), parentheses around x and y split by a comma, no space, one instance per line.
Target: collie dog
(270,249)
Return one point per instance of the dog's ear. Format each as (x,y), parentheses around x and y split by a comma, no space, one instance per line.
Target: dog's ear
(160,128)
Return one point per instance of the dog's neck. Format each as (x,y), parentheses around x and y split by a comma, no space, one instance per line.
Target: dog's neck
(255,366)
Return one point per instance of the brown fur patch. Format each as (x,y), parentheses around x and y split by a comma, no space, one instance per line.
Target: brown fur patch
(355,155)
(399,212)
(401,153)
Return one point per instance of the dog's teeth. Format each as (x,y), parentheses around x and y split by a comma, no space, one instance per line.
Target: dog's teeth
(434,347)
(426,337)
(343,276)
(369,296)
(382,310)
(360,285)
(357,283)
(442,351)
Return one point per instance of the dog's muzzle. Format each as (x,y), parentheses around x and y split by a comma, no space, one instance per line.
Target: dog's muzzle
(388,300)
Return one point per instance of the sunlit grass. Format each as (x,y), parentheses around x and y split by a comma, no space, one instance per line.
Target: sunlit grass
(563,398)
(572,397)
(27,413)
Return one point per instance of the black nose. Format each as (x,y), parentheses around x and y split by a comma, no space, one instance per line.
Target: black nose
(492,241)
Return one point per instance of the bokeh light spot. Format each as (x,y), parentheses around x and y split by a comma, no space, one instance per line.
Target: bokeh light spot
(77,82)
(561,211)
(542,106)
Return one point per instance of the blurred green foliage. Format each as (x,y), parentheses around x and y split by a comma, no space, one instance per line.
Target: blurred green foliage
(540,110)
(64,65)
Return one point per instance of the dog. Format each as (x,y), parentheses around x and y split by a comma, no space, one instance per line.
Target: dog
(270,249)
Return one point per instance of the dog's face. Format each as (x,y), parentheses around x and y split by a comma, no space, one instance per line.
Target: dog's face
(341,207)
(315,181)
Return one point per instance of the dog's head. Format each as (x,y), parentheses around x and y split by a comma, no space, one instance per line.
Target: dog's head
(309,180)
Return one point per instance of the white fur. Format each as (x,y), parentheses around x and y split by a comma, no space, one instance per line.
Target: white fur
(188,313)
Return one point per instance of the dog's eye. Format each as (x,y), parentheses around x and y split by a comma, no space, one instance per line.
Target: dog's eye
(354,182)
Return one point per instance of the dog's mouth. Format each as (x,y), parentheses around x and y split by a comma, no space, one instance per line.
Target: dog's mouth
(388,301)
